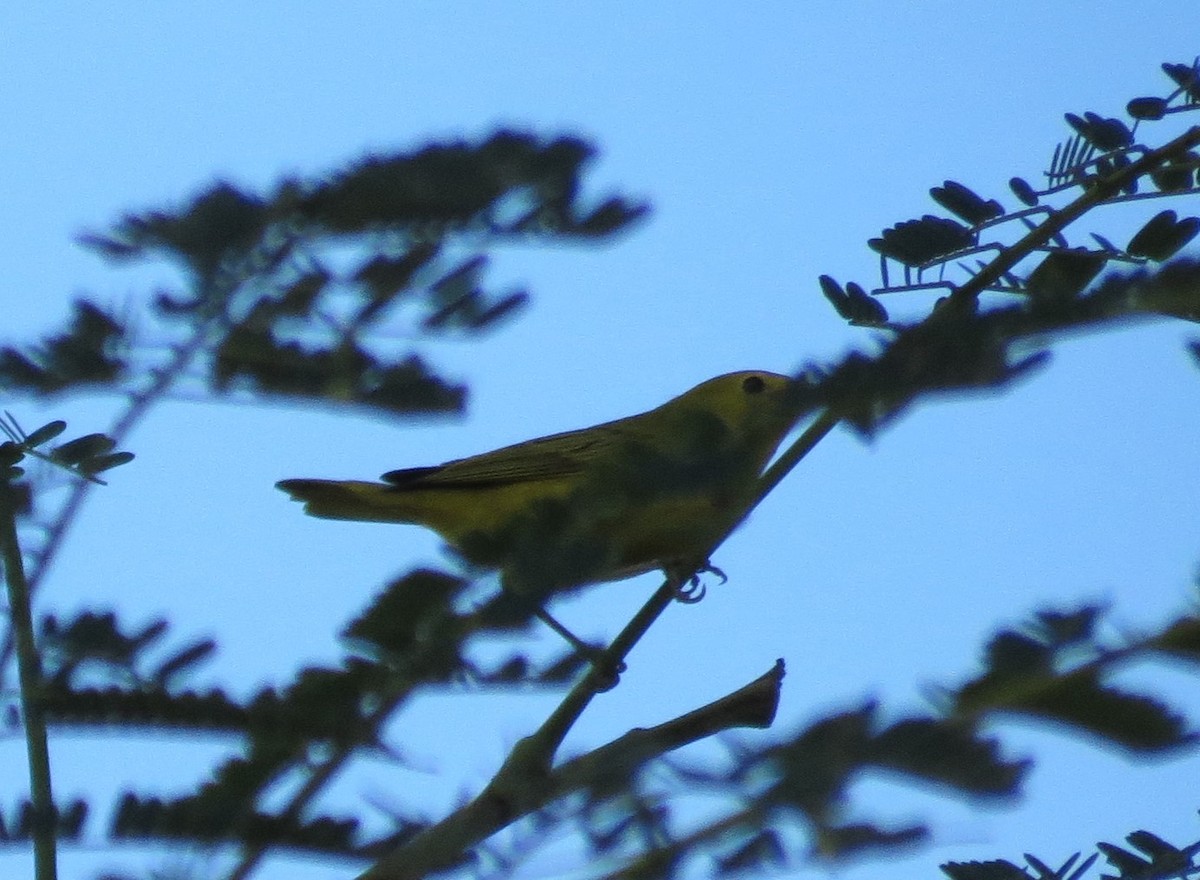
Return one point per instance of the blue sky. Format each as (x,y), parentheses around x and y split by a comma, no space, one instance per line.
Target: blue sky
(772,143)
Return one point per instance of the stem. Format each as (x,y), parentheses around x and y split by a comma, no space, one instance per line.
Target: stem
(538,749)
(29,668)
(1099,192)
(813,434)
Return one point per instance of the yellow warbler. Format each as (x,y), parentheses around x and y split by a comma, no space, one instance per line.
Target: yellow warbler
(654,490)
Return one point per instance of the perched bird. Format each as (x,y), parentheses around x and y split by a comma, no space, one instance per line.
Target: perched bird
(650,491)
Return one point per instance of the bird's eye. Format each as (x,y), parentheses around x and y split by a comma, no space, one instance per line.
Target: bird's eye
(753,384)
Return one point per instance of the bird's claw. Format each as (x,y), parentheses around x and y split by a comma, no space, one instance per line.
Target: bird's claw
(693,590)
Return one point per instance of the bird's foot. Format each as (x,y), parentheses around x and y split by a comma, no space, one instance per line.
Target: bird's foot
(693,589)
(598,658)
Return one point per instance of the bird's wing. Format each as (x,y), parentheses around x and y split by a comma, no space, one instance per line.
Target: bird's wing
(558,456)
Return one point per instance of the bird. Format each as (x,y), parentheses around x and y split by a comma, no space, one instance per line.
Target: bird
(650,491)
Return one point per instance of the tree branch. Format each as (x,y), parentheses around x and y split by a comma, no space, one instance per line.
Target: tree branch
(519,788)
(29,667)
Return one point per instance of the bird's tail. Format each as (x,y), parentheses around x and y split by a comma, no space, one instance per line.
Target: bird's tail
(348,499)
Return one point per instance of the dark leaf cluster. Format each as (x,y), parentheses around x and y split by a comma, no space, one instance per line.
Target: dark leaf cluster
(94,641)
(84,456)
(812,772)
(91,352)
(1054,670)
(201,819)
(101,674)
(273,309)
(1103,162)
(962,347)
(1148,858)
(68,822)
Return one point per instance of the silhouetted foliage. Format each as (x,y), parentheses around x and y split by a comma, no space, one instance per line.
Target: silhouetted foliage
(267,311)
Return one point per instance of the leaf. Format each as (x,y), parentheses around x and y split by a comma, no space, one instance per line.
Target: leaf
(917,242)
(1133,721)
(89,636)
(10,453)
(1045,871)
(88,446)
(183,660)
(1186,77)
(412,623)
(947,753)
(252,358)
(1163,236)
(612,215)
(1023,191)
(47,432)
(115,707)
(499,310)
(835,294)
(856,838)
(1161,853)
(1108,133)
(409,386)
(865,310)
(853,303)
(99,463)
(1063,274)
(1105,134)
(1182,638)
(1064,629)
(150,633)
(385,276)
(219,226)
(1081,870)
(1174,290)
(460,281)
(298,297)
(1174,177)
(1148,109)
(514,670)
(998,869)
(72,819)
(215,814)
(111,247)
(814,768)
(1106,244)
(965,203)
(466,186)
(564,669)
(1126,863)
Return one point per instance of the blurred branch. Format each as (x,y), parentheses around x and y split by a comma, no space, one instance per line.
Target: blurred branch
(29,671)
(523,784)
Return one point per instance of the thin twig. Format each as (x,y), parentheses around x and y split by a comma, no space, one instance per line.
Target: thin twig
(29,671)
(1099,191)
